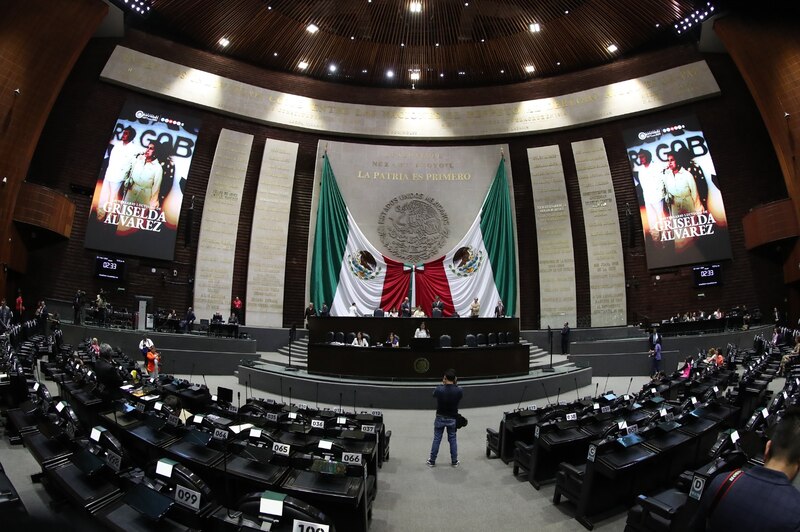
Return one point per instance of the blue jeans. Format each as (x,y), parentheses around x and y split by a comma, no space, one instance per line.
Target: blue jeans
(439,424)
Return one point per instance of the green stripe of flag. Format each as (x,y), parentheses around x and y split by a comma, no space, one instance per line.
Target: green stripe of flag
(498,236)
(330,239)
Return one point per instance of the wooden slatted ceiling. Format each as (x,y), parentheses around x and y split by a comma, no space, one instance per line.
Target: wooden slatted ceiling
(480,42)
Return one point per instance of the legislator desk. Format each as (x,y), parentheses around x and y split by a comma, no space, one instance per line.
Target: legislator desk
(416,363)
(411,361)
(230,330)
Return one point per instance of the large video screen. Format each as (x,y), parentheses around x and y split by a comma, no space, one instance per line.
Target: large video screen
(139,192)
(679,193)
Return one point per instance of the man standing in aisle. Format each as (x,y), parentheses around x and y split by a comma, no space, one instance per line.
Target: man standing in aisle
(565,339)
(448,395)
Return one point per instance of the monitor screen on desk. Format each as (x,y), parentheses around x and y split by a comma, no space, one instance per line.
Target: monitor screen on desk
(327,467)
(148,502)
(630,440)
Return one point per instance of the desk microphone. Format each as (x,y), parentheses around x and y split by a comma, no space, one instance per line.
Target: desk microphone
(239,402)
(521,397)
(354,402)
(629,386)
(290,398)
(546,395)
(281,381)
(577,394)
(559,394)
(596,386)
(317,398)
(605,386)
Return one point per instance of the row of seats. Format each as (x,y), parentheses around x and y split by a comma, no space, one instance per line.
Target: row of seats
(603,451)
(674,508)
(109,457)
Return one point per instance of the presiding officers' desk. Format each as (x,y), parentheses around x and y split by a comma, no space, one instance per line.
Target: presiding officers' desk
(417,360)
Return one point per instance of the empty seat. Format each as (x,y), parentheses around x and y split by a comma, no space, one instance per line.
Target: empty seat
(481,339)
(436,313)
(492,339)
(368,338)
(329,337)
(471,341)
(501,338)
(444,341)
(340,337)
(350,337)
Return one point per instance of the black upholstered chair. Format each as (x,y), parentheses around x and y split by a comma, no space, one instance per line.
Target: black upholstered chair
(340,337)
(349,338)
(481,340)
(329,337)
(492,339)
(471,341)
(436,313)
(444,340)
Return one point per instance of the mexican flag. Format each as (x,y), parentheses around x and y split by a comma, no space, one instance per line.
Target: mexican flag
(483,264)
(346,268)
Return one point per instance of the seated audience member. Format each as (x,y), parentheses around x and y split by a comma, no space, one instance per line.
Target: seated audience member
(790,356)
(418,312)
(217,318)
(393,313)
(686,370)
(175,407)
(359,340)
(422,331)
(232,319)
(761,497)
(392,340)
(777,337)
(107,375)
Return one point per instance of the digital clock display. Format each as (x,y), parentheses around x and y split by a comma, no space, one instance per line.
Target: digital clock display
(109,268)
(707,275)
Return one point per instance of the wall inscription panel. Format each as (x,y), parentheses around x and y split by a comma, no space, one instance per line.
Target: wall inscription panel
(603,240)
(174,81)
(216,247)
(267,264)
(557,296)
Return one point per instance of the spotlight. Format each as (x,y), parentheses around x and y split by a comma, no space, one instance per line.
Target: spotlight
(535,27)
(224,42)
(312,29)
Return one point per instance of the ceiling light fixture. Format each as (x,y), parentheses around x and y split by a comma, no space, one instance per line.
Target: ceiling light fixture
(302,65)
(389,73)
(529,69)
(612,48)
(414,75)
(566,11)
(535,27)
(695,17)
(441,75)
(332,68)
(415,7)
(275,54)
(312,29)
(224,42)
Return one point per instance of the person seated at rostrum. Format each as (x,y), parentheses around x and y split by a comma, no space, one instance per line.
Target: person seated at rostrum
(422,331)
(393,313)
(392,340)
(360,341)
(232,319)
(418,312)
(217,318)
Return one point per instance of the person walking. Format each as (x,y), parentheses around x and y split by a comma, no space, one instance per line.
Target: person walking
(448,395)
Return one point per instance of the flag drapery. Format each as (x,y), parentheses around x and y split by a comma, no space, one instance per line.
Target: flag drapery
(346,268)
